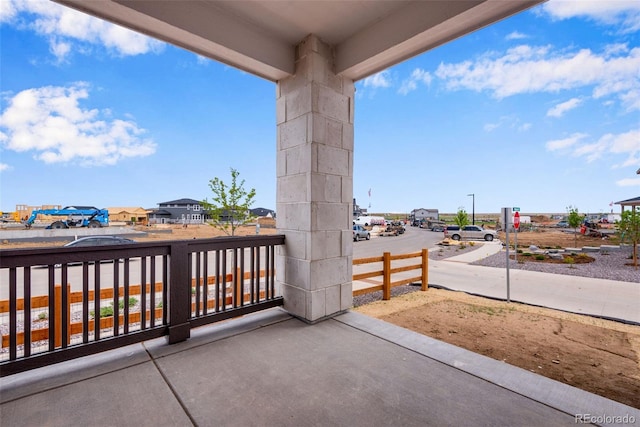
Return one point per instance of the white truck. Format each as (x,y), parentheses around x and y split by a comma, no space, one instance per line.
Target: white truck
(469,232)
(366,221)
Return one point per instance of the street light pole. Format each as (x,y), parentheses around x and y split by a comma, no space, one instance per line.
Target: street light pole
(473,208)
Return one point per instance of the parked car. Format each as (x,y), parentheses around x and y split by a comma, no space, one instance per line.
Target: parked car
(99,241)
(469,232)
(562,224)
(360,233)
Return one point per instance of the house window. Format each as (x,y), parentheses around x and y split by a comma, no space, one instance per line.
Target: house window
(196,208)
(188,207)
(196,218)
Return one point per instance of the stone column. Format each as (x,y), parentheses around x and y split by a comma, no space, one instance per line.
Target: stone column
(315,185)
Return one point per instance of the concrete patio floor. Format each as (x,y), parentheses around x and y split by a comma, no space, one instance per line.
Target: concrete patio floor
(270,369)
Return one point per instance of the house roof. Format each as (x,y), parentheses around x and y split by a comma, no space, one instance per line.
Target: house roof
(158,212)
(635,201)
(136,210)
(262,212)
(181,202)
(260,36)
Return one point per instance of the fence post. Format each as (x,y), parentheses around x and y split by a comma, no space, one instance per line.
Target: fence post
(425,269)
(386,276)
(239,288)
(179,293)
(57,301)
(57,297)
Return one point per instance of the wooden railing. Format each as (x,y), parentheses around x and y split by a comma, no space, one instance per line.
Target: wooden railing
(181,284)
(387,271)
(106,322)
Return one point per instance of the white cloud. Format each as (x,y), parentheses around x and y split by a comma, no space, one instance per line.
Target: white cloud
(531,69)
(560,109)
(624,146)
(560,144)
(378,80)
(624,14)
(511,122)
(516,36)
(628,182)
(67,29)
(417,76)
(4,167)
(50,122)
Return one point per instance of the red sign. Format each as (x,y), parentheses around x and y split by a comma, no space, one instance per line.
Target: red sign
(516,220)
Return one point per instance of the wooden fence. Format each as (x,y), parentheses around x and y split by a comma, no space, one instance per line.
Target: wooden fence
(387,272)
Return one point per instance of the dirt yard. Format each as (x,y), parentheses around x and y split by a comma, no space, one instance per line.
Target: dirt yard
(595,355)
(599,356)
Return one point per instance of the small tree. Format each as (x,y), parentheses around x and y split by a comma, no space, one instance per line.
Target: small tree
(629,228)
(230,206)
(461,219)
(574,220)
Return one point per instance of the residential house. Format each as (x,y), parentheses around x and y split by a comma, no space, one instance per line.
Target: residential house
(420,214)
(263,212)
(180,211)
(128,214)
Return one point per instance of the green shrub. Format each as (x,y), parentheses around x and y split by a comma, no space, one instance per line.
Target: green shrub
(527,254)
(540,257)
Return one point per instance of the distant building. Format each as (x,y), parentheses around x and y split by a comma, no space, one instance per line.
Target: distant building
(357,210)
(263,212)
(128,214)
(420,214)
(180,211)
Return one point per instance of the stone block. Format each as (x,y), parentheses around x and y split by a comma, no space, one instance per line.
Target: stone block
(346,296)
(294,216)
(329,272)
(292,188)
(347,187)
(329,216)
(324,244)
(591,249)
(297,273)
(333,300)
(316,305)
(329,103)
(293,132)
(281,109)
(326,188)
(610,248)
(300,101)
(331,160)
(295,300)
(298,160)
(326,131)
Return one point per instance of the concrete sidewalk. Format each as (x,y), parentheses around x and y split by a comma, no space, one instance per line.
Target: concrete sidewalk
(610,299)
(270,369)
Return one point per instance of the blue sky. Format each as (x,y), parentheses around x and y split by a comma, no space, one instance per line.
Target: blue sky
(539,111)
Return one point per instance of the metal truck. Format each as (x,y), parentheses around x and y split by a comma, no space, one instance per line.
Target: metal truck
(75,217)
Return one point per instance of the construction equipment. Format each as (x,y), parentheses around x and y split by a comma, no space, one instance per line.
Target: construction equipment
(76,217)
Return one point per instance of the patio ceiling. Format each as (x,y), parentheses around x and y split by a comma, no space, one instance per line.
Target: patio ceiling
(260,36)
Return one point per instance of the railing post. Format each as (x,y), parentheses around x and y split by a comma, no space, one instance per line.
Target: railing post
(425,269)
(57,301)
(386,276)
(179,293)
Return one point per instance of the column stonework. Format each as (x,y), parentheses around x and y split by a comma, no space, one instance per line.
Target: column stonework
(314,167)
